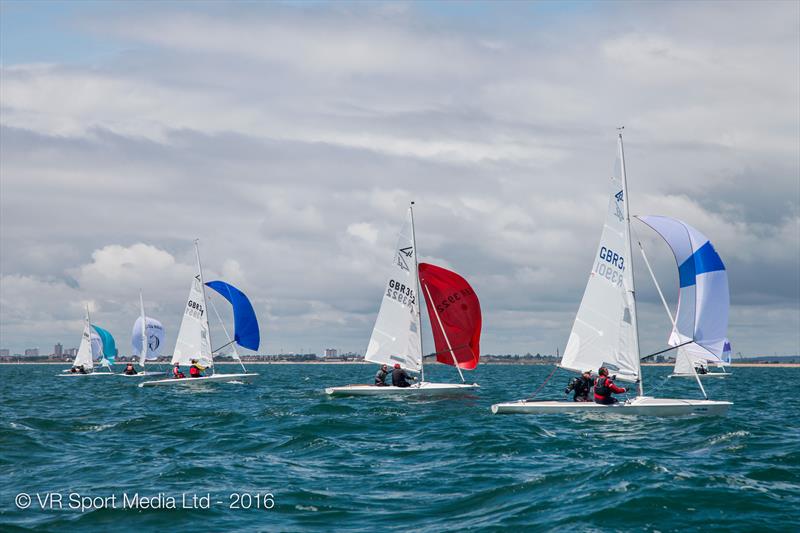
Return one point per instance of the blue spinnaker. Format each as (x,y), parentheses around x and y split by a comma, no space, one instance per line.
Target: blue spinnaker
(109,346)
(244,317)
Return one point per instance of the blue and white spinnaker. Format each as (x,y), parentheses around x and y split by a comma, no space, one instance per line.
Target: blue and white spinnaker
(700,325)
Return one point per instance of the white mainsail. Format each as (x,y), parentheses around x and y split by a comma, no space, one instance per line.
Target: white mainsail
(90,349)
(193,340)
(84,357)
(604,332)
(396,335)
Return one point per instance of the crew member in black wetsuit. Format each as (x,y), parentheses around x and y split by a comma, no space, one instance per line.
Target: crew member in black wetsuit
(400,378)
(580,386)
(129,370)
(380,377)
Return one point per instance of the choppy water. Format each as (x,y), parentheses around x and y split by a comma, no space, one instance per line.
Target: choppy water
(413,464)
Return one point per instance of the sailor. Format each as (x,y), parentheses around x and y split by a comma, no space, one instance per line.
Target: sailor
(196,370)
(129,370)
(380,377)
(701,369)
(81,370)
(400,378)
(176,372)
(73,370)
(580,386)
(604,387)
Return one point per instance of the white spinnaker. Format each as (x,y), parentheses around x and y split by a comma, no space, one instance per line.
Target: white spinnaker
(396,335)
(193,340)
(154,335)
(604,332)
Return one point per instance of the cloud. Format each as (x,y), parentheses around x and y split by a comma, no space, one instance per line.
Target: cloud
(291,139)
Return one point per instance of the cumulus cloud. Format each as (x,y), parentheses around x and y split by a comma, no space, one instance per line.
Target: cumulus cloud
(291,139)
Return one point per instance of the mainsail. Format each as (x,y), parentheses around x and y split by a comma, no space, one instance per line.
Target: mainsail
(701,322)
(193,340)
(604,332)
(91,347)
(153,332)
(396,336)
(244,317)
(455,314)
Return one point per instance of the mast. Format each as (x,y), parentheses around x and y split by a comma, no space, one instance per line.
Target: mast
(89,324)
(143,354)
(205,300)
(631,290)
(418,296)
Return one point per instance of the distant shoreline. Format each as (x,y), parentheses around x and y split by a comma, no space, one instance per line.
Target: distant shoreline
(514,363)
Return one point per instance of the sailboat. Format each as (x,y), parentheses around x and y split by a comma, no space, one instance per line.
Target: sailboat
(700,323)
(454,312)
(97,346)
(194,335)
(147,338)
(605,331)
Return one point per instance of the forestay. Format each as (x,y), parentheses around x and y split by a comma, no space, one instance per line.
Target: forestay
(193,340)
(153,332)
(704,299)
(396,335)
(604,332)
(246,332)
(455,314)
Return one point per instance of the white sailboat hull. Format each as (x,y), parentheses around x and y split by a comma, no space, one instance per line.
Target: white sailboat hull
(216,378)
(70,374)
(642,405)
(702,376)
(423,388)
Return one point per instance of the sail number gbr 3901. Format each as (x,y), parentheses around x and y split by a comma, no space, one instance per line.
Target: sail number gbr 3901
(610,265)
(400,292)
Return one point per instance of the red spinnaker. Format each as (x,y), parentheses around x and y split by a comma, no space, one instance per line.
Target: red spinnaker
(452,301)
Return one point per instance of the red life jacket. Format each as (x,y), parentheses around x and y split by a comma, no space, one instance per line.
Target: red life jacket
(176,372)
(601,387)
(194,372)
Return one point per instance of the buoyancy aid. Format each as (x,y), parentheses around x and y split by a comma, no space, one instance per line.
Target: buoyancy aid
(601,387)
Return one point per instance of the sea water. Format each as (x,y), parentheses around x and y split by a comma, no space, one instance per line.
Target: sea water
(279,455)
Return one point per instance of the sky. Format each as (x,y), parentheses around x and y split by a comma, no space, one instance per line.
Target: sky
(290,138)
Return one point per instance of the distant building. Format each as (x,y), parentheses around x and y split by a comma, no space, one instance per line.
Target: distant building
(31,352)
(58,350)
(5,352)
(331,352)
(71,352)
